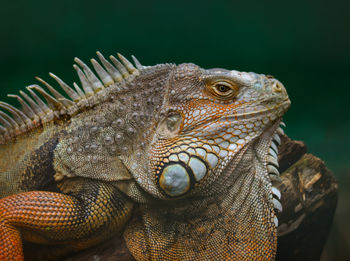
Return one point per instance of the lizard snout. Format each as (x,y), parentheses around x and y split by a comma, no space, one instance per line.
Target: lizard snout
(277,90)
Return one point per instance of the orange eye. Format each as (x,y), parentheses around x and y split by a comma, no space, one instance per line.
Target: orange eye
(224,90)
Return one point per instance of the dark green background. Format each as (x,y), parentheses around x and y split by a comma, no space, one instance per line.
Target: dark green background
(305,44)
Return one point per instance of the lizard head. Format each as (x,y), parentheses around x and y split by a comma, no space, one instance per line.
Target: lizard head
(209,118)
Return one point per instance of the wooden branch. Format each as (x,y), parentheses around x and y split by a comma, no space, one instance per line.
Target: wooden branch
(309,199)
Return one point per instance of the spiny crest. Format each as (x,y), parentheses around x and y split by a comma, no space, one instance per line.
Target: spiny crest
(35,111)
(272,169)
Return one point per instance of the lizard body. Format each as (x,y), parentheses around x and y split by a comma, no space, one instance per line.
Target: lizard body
(177,159)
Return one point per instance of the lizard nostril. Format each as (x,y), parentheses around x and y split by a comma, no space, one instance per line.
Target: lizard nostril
(277,87)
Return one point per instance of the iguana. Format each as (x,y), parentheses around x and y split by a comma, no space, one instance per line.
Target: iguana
(177,159)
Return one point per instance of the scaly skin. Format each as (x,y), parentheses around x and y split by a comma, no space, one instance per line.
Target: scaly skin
(178,159)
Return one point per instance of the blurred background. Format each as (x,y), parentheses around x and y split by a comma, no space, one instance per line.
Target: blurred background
(305,44)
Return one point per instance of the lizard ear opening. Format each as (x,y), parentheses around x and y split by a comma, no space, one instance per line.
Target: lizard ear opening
(173,122)
(170,125)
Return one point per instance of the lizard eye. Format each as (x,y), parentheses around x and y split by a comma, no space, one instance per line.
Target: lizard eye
(222,89)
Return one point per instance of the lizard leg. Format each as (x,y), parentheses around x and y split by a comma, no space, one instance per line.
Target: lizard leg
(81,218)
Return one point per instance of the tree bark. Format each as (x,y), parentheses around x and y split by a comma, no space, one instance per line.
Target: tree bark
(309,199)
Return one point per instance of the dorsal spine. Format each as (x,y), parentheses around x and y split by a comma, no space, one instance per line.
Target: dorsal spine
(35,111)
